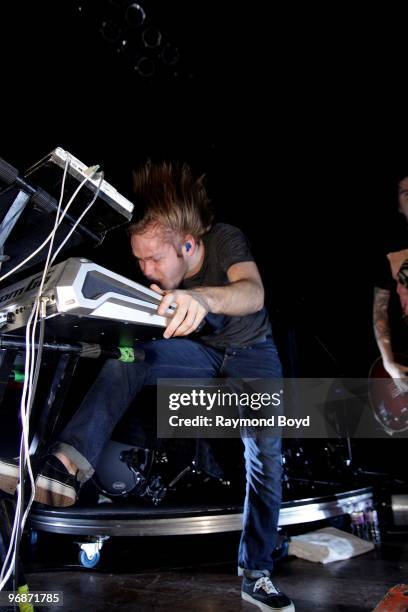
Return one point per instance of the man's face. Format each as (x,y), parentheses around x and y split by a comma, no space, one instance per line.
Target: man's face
(403,196)
(158,258)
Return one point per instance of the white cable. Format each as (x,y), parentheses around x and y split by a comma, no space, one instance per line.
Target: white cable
(36,319)
(24,435)
(4,579)
(24,457)
(18,525)
(41,287)
(23,454)
(38,304)
(30,366)
(22,263)
(82,215)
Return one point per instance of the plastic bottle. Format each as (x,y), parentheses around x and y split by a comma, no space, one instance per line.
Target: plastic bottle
(373,527)
(358,524)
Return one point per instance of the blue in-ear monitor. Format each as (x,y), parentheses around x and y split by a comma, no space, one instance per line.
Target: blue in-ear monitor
(188,246)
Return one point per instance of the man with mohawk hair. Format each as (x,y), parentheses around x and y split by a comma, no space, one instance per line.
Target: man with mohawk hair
(208,271)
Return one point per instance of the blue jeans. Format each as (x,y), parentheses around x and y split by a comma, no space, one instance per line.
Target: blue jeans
(117,385)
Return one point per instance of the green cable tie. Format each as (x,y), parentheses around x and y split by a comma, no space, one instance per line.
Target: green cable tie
(18,376)
(127,354)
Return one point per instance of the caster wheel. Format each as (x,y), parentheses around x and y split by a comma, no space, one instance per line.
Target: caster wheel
(89,562)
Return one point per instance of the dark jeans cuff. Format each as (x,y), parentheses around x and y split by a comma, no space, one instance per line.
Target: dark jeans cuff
(253,573)
(85,469)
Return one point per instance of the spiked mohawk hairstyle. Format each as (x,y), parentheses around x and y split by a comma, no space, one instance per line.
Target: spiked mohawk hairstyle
(169,195)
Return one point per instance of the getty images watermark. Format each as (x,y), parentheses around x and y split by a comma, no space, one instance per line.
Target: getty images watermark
(293,407)
(220,399)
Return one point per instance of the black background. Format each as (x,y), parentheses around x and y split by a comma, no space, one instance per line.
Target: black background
(297,117)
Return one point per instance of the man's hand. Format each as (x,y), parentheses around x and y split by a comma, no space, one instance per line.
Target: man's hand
(191,310)
(399,373)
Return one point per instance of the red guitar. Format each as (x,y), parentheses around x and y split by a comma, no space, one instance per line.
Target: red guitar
(389,403)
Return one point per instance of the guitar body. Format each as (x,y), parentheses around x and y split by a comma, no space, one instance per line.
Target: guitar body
(389,404)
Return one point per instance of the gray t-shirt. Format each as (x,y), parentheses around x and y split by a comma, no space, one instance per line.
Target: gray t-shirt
(226,245)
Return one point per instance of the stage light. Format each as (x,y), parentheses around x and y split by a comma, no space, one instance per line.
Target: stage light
(151,38)
(110,31)
(143,46)
(135,15)
(145,67)
(170,54)
(131,49)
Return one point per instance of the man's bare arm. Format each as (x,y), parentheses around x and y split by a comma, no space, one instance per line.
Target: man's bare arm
(382,323)
(242,296)
(383,337)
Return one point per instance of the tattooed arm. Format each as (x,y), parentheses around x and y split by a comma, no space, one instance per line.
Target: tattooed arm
(382,334)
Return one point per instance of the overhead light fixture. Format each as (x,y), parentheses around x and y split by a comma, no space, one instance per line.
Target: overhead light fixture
(145,67)
(110,31)
(122,23)
(151,38)
(135,15)
(170,54)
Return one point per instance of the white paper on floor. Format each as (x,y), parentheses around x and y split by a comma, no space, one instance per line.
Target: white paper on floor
(328,544)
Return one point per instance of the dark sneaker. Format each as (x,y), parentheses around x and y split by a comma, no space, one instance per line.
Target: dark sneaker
(54,485)
(262,593)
